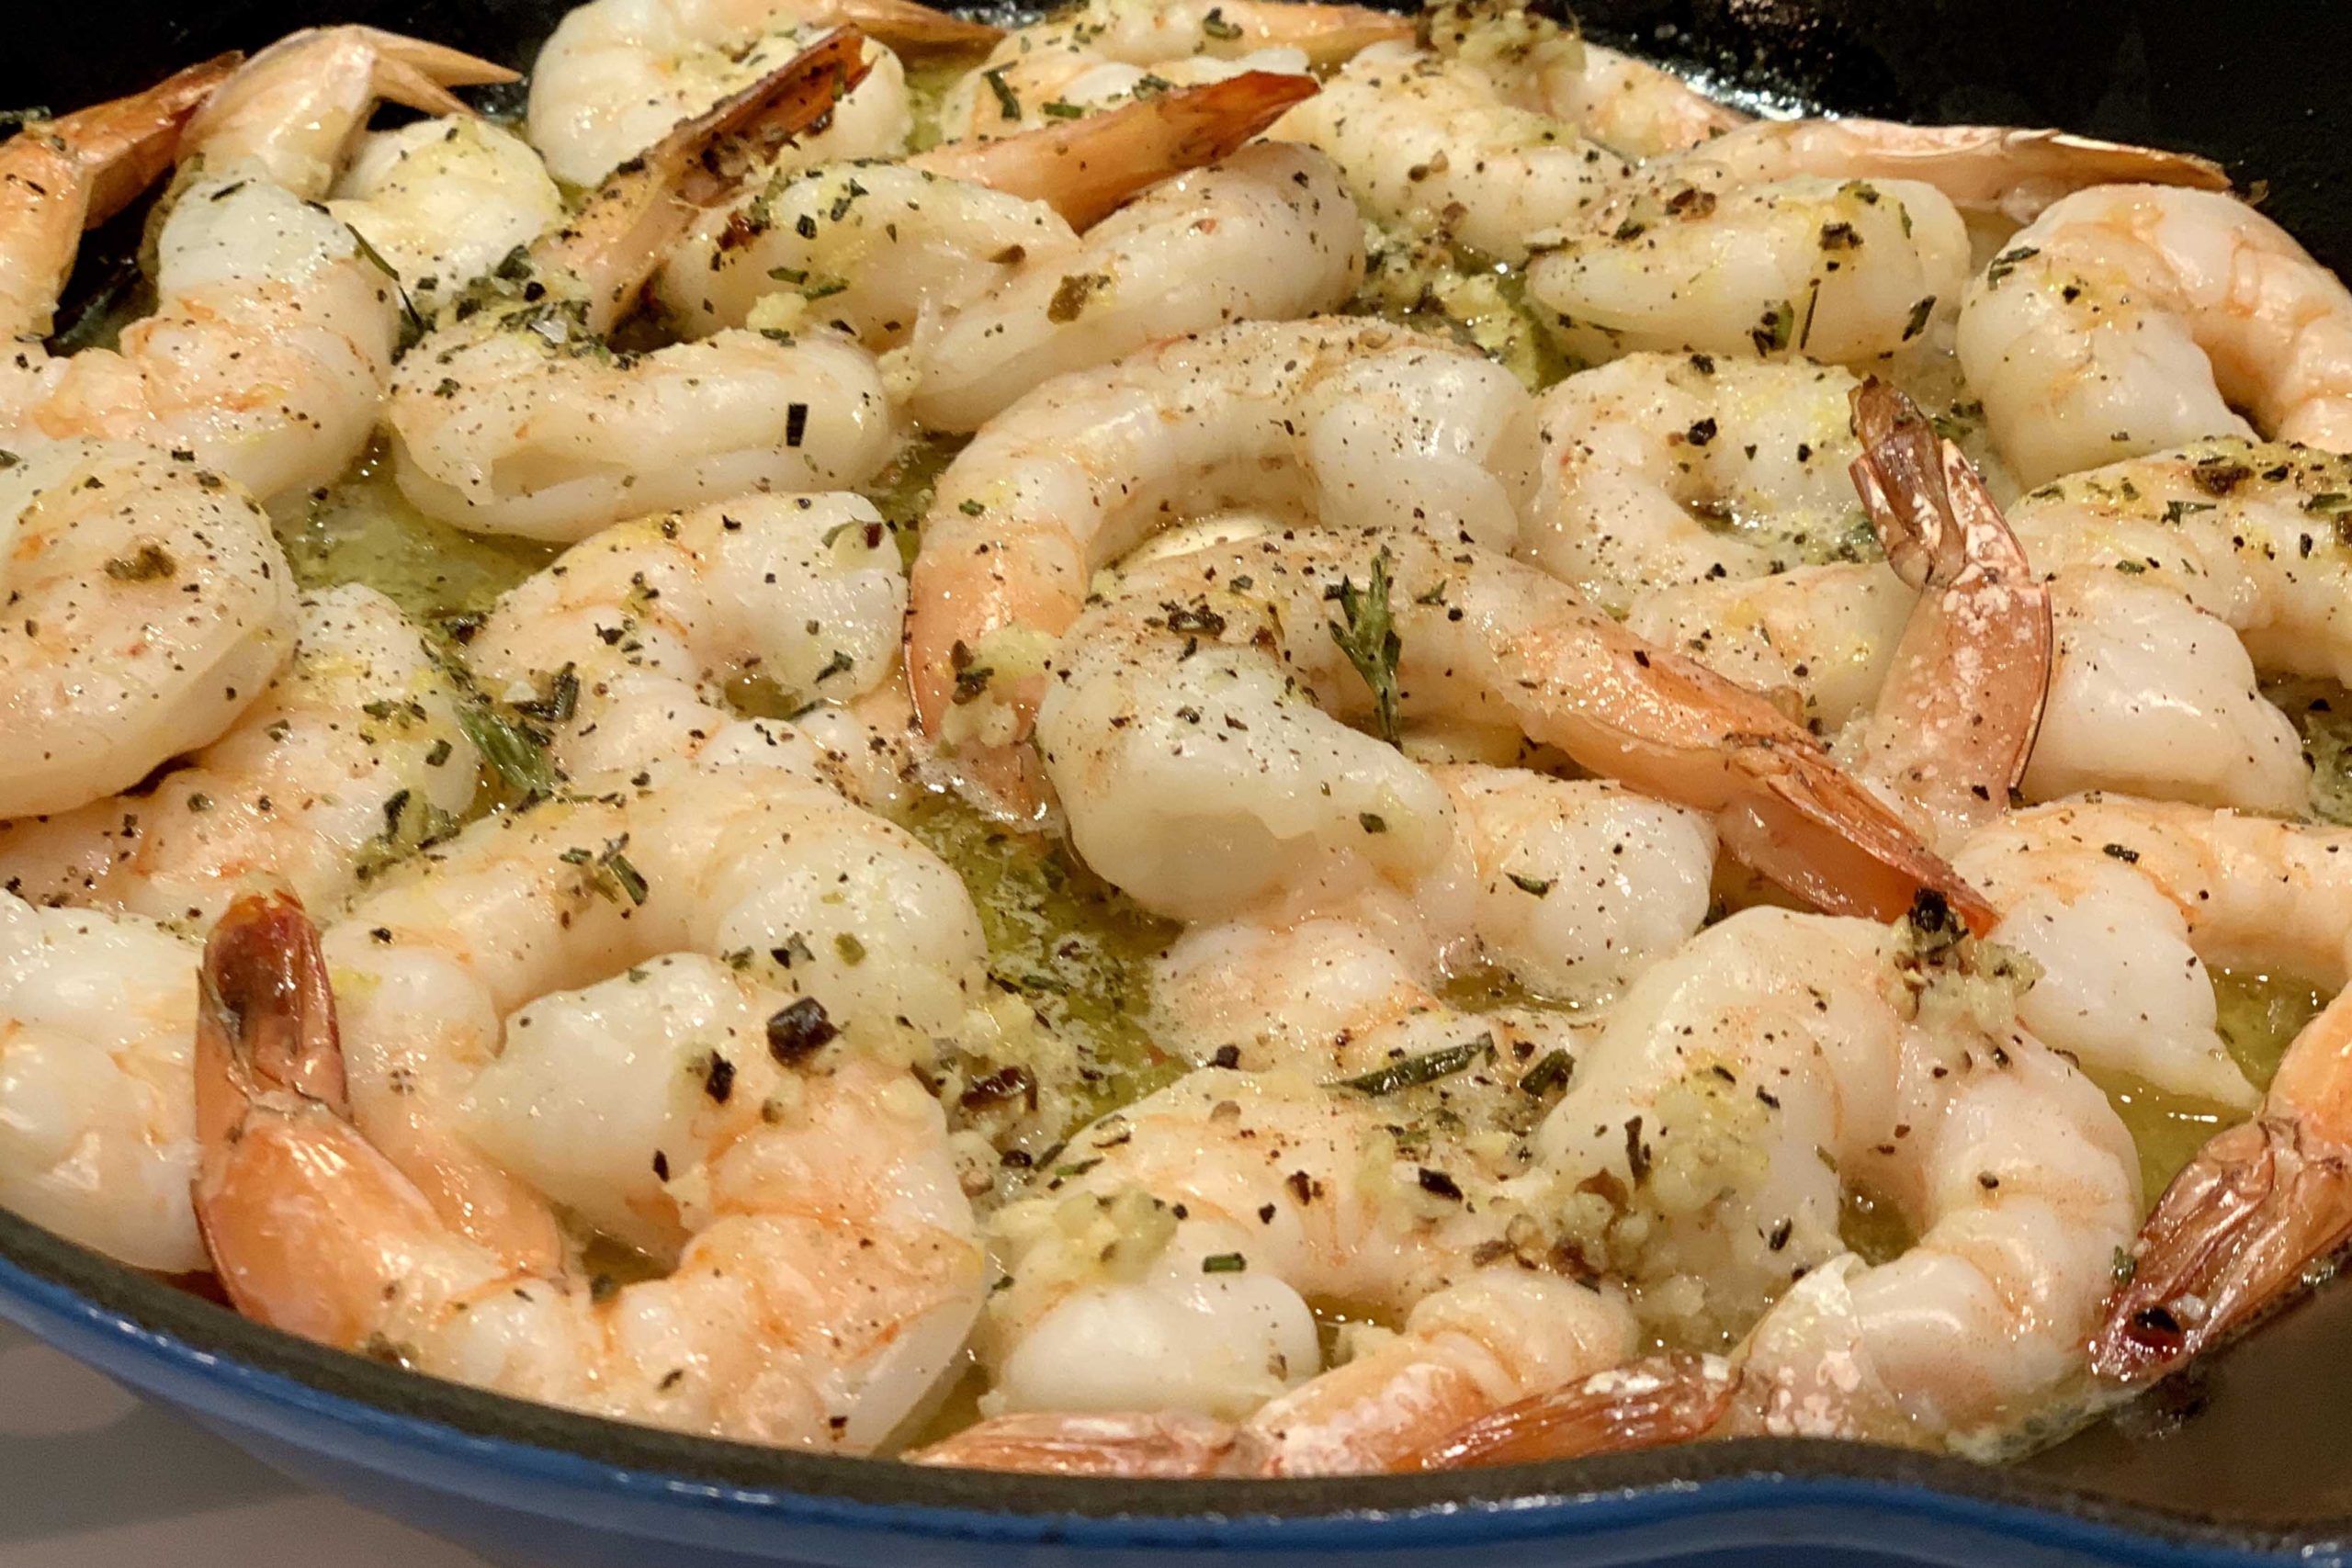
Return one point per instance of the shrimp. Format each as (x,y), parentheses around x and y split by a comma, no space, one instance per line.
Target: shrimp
(1346,418)
(1778,1059)
(272,338)
(2127,320)
(1567,887)
(1660,471)
(1174,1267)
(98,1134)
(1839,240)
(59,177)
(2188,572)
(517,419)
(1101,52)
(1428,145)
(768,874)
(629,640)
(1638,111)
(353,757)
(830,1269)
(2268,1197)
(443,201)
(149,605)
(616,76)
(1193,726)
(295,113)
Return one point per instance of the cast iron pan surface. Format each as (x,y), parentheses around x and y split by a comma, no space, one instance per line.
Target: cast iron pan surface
(2245,1450)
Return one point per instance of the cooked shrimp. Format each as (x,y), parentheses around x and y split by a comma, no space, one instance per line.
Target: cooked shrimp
(828,1268)
(880,244)
(2270,1197)
(353,757)
(2131,318)
(1429,144)
(1229,1204)
(1659,472)
(767,872)
(1638,111)
(630,638)
(294,114)
(1567,888)
(1195,777)
(443,201)
(616,76)
(1838,240)
(59,177)
(97,1135)
(149,606)
(1353,420)
(1462,1352)
(2189,571)
(272,337)
(517,419)
(1105,51)
(1778,1059)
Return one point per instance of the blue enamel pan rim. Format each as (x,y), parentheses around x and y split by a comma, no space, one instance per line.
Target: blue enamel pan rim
(184,1338)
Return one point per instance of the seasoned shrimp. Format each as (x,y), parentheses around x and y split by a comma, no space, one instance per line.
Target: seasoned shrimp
(272,338)
(517,419)
(2131,318)
(445,201)
(149,606)
(1780,1058)
(59,177)
(1230,1203)
(1193,726)
(1840,241)
(1105,51)
(2188,572)
(352,756)
(769,872)
(616,76)
(1660,471)
(629,640)
(828,1267)
(98,1134)
(1347,419)
(2268,1197)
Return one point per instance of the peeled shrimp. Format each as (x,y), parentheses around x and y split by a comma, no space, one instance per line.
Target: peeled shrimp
(149,606)
(353,757)
(768,872)
(517,419)
(616,76)
(1194,727)
(643,627)
(444,201)
(2131,318)
(1230,1201)
(1105,51)
(1360,422)
(1840,241)
(272,337)
(828,1268)
(1734,1093)
(98,1137)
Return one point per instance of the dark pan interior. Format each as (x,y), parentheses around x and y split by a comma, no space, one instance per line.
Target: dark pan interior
(2250,1441)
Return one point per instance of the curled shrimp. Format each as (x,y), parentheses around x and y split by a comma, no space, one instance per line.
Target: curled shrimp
(616,76)
(1339,417)
(149,606)
(1194,776)
(444,200)
(354,756)
(829,1273)
(516,417)
(2131,318)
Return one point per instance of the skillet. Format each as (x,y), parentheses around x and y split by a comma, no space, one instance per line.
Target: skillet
(2241,1459)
